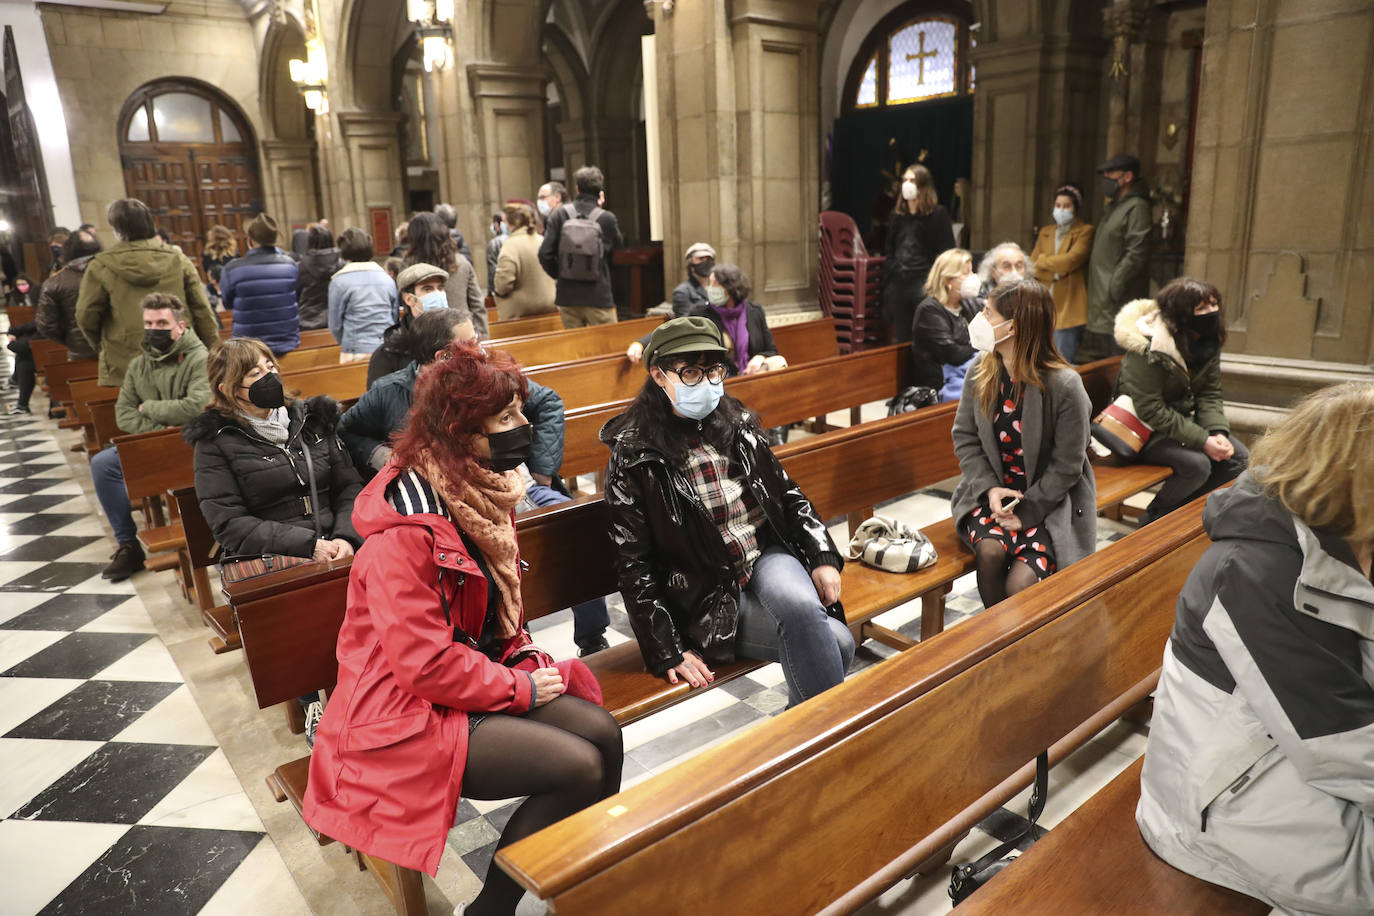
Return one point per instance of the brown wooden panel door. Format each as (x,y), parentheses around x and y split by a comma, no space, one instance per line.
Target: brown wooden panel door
(164,181)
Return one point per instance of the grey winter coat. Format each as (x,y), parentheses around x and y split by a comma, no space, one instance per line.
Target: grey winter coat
(1259,771)
(1062,494)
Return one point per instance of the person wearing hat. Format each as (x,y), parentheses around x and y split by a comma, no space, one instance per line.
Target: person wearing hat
(1119,268)
(689,294)
(422,288)
(109,300)
(720,554)
(260,289)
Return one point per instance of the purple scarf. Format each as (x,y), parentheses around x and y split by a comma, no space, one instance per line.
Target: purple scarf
(734,325)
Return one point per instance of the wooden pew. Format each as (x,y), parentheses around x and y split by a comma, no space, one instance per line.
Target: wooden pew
(104,426)
(47,353)
(943,734)
(23,314)
(83,391)
(577,343)
(61,375)
(606,379)
(309,358)
(523,327)
(202,551)
(154,465)
(340,382)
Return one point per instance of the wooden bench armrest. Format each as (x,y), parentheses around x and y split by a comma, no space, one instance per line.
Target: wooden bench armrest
(163,538)
(287,783)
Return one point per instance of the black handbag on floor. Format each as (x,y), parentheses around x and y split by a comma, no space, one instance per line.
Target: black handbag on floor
(968,878)
(913,398)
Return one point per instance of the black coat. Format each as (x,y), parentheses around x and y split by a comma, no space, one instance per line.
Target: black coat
(581,292)
(939,338)
(914,242)
(394,353)
(675,575)
(255,494)
(312,286)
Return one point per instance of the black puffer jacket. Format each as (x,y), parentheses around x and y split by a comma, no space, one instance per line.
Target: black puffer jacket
(312,286)
(256,495)
(675,575)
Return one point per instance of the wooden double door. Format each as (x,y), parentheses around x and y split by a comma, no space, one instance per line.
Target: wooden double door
(191,187)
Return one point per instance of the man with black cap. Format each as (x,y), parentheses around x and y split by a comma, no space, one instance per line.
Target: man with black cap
(1119,270)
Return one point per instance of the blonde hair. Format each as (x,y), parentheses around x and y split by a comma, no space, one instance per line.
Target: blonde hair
(220,243)
(1318,462)
(229,361)
(1031,310)
(948,266)
(925,201)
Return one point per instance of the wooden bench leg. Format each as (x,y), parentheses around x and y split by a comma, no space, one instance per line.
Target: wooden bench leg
(188,576)
(201,577)
(404,886)
(295,717)
(886,636)
(933,610)
(855,416)
(858,517)
(1111,512)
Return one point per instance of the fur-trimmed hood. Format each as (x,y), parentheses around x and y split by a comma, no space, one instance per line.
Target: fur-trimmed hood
(1140,328)
(320,409)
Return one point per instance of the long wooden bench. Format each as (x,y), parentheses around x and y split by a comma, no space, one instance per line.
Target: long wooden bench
(844,795)
(202,552)
(154,465)
(62,374)
(576,343)
(83,392)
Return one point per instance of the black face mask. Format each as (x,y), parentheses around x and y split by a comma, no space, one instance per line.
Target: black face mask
(1206,327)
(267,392)
(510,448)
(703,268)
(158,340)
(1109,186)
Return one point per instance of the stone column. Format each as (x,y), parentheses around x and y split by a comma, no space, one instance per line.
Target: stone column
(1282,198)
(1125,21)
(368,168)
(288,181)
(738,110)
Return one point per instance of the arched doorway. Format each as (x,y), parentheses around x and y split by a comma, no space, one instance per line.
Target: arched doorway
(189,154)
(908,97)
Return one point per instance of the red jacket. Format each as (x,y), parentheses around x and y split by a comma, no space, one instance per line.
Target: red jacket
(388,761)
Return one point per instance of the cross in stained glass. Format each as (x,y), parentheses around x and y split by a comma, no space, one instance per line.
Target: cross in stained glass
(920,58)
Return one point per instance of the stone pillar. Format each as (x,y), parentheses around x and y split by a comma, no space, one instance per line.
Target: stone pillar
(738,108)
(509,104)
(368,162)
(1125,21)
(288,181)
(1035,121)
(1282,199)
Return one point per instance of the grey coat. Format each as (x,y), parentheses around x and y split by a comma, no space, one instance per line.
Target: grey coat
(1062,495)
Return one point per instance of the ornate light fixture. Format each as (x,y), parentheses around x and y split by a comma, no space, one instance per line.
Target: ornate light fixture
(434,26)
(311,75)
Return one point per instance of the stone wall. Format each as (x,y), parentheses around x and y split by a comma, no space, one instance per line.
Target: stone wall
(100,57)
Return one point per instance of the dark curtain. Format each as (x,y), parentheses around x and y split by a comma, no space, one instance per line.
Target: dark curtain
(862,150)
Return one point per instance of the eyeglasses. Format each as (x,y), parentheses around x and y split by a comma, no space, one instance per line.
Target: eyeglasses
(691,376)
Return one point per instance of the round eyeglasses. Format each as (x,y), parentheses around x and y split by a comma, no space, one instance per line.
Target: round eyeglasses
(691,376)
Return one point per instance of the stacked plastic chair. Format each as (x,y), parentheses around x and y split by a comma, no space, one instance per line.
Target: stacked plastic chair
(850,284)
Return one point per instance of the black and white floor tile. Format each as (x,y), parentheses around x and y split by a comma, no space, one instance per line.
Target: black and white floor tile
(117,797)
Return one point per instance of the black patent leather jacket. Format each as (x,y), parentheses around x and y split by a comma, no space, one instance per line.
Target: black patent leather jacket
(675,575)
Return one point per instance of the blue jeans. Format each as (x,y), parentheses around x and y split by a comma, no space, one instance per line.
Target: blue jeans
(781,619)
(108,477)
(590,618)
(1066,341)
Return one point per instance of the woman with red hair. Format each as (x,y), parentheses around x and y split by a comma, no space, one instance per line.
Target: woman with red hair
(440,690)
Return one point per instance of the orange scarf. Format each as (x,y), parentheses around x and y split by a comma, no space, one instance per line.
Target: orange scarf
(481,505)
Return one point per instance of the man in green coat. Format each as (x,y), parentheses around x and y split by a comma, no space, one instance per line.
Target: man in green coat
(1119,269)
(165,385)
(109,304)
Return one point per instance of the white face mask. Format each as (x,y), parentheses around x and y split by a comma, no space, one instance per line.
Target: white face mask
(970,287)
(981,334)
(1063,215)
(908,190)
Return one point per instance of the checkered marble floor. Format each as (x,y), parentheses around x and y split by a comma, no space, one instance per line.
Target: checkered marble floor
(117,797)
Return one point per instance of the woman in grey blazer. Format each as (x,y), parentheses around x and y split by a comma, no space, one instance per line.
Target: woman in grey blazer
(1026,492)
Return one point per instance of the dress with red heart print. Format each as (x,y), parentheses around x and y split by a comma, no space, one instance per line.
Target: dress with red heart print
(1030,545)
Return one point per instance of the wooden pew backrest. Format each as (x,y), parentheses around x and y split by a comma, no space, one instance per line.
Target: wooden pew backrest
(340,382)
(61,375)
(577,343)
(156,463)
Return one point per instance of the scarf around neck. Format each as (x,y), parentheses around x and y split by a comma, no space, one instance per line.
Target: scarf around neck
(275,429)
(481,505)
(735,326)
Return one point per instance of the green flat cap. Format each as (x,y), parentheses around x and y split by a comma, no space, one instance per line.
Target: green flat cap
(692,334)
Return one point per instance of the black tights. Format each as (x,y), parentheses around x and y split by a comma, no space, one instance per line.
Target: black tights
(996,581)
(565,755)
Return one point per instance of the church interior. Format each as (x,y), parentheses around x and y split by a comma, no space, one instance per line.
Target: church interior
(147,752)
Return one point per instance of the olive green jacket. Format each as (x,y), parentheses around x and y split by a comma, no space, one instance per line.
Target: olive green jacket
(109,306)
(1119,269)
(1173,400)
(164,389)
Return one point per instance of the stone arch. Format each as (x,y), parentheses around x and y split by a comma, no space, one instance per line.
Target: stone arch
(364,74)
(617,88)
(284,115)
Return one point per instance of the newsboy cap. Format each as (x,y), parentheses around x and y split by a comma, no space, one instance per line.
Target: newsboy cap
(700,248)
(1122,162)
(415,274)
(692,334)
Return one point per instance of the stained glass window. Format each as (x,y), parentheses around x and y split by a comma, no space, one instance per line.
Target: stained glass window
(922,61)
(138,126)
(972,70)
(868,87)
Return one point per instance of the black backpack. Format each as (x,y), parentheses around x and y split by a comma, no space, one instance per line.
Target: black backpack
(580,247)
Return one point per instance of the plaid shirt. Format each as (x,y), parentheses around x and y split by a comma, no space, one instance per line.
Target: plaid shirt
(730,504)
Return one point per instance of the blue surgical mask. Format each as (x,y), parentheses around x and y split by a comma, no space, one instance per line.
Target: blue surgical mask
(436,299)
(544,208)
(697,401)
(1063,215)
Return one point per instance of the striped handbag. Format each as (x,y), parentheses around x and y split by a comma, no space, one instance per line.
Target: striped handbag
(891,545)
(1119,431)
